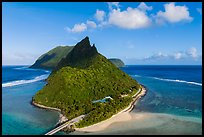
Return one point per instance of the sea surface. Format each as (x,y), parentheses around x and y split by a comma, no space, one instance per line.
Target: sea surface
(172,105)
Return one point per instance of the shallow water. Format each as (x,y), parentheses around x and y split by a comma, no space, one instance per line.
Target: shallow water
(19,116)
(166,94)
(153,124)
(182,101)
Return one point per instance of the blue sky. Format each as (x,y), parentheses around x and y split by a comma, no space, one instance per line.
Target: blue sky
(152,33)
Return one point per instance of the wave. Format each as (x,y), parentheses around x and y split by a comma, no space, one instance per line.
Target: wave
(27,68)
(180,81)
(135,75)
(20,82)
(20,68)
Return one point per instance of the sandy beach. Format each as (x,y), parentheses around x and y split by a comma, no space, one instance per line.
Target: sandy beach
(145,123)
(122,116)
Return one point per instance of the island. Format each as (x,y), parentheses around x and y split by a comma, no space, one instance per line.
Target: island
(86,84)
(50,59)
(117,62)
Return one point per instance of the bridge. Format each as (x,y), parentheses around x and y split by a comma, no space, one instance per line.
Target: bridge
(66,124)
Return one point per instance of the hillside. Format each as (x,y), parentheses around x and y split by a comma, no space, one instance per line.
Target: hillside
(117,62)
(83,76)
(50,59)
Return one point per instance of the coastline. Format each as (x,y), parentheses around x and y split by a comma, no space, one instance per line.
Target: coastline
(119,117)
(147,123)
(62,118)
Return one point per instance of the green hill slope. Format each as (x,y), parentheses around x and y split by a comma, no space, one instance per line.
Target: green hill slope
(117,62)
(82,77)
(50,59)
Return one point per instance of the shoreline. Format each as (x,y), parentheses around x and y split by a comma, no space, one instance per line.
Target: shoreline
(62,118)
(121,116)
(148,123)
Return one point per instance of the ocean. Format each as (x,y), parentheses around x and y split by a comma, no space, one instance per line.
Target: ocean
(172,105)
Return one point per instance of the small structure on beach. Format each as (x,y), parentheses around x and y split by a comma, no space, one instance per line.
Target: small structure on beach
(105,99)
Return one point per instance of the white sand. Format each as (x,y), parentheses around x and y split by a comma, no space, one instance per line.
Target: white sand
(122,116)
(151,124)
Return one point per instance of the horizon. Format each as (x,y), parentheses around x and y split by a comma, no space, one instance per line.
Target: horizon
(127,65)
(153,36)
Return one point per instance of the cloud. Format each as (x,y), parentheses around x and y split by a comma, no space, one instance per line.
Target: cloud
(132,18)
(99,15)
(112,5)
(178,55)
(199,10)
(192,52)
(18,58)
(77,28)
(82,27)
(158,55)
(173,14)
(144,7)
(91,24)
(188,54)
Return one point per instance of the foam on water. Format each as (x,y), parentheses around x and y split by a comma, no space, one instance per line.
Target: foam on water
(20,82)
(27,68)
(180,81)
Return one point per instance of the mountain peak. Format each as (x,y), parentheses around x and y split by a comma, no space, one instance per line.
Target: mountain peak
(84,42)
(80,56)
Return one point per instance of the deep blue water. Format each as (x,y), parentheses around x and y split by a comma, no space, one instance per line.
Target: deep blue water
(171,89)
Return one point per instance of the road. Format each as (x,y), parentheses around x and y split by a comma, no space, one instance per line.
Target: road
(68,123)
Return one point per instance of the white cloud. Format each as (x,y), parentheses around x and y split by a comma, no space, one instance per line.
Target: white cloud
(134,18)
(129,19)
(99,15)
(173,14)
(188,55)
(158,55)
(82,27)
(103,23)
(77,28)
(192,52)
(18,58)
(144,7)
(199,10)
(178,55)
(112,5)
(91,24)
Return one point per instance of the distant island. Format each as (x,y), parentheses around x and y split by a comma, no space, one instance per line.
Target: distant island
(84,82)
(50,59)
(117,62)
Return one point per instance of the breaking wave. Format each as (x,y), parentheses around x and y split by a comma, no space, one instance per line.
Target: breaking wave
(180,81)
(20,82)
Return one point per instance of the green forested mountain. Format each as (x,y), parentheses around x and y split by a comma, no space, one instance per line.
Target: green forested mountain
(117,62)
(81,55)
(50,59)
(83,76)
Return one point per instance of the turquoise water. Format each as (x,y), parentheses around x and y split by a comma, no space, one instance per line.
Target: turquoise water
(175,90)
(19,117)
(171,98)
(167,91)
